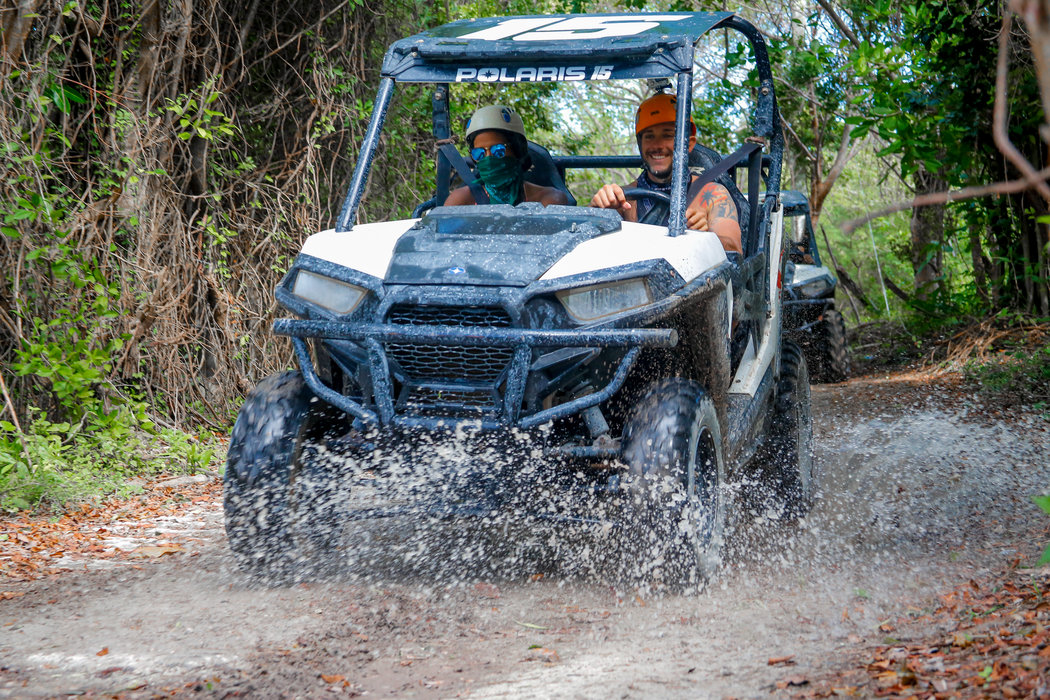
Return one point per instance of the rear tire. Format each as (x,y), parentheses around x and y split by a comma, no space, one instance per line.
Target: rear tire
(834,365)
(282,515)
(789,459)
(673,448)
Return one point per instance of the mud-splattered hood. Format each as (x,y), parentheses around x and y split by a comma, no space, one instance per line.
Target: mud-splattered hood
(492,245)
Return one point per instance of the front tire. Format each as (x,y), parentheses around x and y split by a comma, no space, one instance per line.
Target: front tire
(282,519)
(673,449)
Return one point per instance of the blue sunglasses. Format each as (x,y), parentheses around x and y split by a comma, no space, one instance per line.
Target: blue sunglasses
(497,151)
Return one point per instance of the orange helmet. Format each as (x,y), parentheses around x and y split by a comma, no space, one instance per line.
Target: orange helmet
(658,109)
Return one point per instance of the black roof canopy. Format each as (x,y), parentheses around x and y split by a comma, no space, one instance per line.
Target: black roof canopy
(552,48)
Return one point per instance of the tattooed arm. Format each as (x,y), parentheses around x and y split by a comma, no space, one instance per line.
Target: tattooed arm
(713,209)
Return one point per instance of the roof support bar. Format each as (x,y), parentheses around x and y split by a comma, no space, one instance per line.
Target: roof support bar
(367,155)
(442,133)
(680,172)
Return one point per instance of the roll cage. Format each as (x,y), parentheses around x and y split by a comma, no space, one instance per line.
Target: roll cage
(577,47)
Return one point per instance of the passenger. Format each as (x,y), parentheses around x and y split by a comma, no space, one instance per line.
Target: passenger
(496,138)
(712,209)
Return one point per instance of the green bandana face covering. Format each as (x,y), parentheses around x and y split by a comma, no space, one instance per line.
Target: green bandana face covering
(503,179)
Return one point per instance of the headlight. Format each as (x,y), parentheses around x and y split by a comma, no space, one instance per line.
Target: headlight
(338,297)
(589,303)
(815,289)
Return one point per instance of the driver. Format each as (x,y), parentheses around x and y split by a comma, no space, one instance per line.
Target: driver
(496,138)
(712,209)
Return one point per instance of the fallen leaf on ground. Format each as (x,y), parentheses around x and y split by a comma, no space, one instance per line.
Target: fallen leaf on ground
(332,679)
(788,660)
(549,656)
(102,652)
(155,550)
(530,626)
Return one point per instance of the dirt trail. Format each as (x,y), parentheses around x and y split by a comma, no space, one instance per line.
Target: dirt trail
(920,491)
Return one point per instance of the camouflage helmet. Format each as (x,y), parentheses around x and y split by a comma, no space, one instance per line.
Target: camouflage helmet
(497,117)
(505,119)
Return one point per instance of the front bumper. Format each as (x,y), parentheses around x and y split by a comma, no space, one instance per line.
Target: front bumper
(375,339)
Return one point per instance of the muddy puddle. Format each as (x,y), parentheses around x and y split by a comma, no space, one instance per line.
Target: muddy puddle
(918,492)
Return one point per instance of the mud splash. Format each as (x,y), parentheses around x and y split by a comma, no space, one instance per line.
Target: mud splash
(917,491)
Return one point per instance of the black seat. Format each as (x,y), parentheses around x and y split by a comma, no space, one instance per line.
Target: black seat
(544,173)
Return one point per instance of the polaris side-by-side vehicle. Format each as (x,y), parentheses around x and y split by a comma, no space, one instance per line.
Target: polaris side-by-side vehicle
(640,364)
(810,317)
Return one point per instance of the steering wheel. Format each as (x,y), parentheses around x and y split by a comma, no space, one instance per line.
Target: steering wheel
(662,207)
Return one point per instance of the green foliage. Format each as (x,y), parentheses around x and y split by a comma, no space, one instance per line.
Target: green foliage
(929,75)
(81,434)
(1016,375)
(53,463)
(1044,503)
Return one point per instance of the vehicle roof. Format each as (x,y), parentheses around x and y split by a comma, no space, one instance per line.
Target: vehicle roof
(550,48)
(795,203)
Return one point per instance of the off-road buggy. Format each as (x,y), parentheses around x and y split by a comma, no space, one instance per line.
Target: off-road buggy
(629,368)
(810,317)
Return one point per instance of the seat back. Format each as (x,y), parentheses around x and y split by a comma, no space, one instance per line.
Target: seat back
(543,171)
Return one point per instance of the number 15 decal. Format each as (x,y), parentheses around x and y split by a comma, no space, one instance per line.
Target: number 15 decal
(547,29)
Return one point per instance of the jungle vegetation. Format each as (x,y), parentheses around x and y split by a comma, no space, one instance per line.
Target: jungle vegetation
(164,161)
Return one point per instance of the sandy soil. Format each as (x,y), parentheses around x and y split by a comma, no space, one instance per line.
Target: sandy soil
(920,490)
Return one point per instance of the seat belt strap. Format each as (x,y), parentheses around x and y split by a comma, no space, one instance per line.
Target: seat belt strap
(722,166)
(463,170)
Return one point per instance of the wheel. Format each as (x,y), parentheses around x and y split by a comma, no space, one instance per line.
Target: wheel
(281,514)
(831,346)
(658,214)
(672,444)
(789,459)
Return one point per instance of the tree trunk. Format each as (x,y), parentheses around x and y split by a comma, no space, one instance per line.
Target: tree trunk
(822,184)
(15,24)
(980,274)
(927,235)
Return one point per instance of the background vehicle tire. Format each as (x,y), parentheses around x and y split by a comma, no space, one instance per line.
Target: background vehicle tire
(672,444)
(789,459)
(282,518)
(832,349)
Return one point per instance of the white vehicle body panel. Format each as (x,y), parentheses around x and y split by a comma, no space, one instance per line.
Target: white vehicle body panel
(804,273)
(755,362)
(689,254)
(366,248)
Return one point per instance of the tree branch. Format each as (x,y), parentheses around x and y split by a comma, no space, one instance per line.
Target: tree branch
(1002,139)
(843,27)
(805,150)
(925,200)
(1031,177)
(9,404)
(842,157)
(1037,18)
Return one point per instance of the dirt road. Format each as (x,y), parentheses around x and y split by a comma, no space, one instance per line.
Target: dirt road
(920,491)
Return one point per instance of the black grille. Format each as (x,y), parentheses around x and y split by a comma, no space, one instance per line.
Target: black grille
(448,362)
(449,316)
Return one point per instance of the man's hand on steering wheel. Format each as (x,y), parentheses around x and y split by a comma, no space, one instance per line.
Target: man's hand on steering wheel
(612,197)
(617,198)
(661,205)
